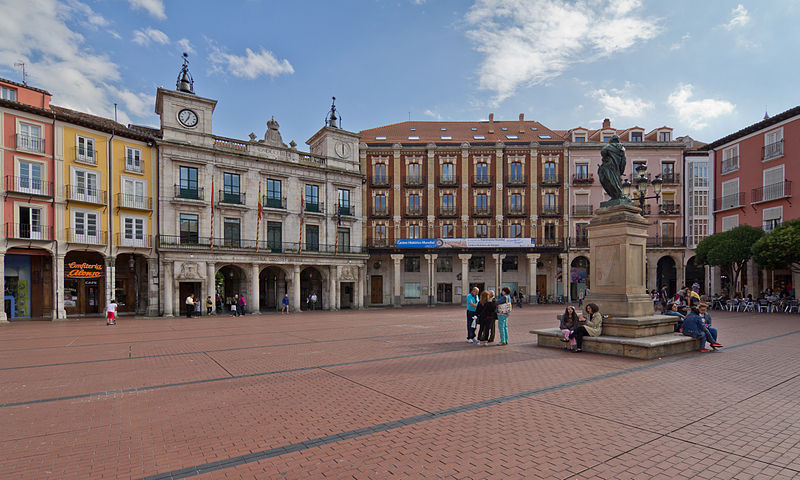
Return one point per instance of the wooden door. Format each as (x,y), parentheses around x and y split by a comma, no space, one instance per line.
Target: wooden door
(376,289)
(541,286)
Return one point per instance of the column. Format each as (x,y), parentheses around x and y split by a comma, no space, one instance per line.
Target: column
(110,280)
(464,257)
(565,287)
(431,259)
(333,280)
(255,294)
(361,287)
(396,258)
(167,285)
(533,259)
(712,281)
(553,284)
(296,288)
(3,316)
(211,287)
(498,269)
(752,280)
(153,290)
(767,280)
(58,274)
(652,274)
(681,277)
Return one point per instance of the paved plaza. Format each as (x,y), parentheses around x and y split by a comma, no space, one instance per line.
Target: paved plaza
(389,393)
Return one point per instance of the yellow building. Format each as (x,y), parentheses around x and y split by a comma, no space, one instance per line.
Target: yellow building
(106,210)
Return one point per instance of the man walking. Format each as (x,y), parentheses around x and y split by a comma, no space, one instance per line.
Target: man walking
(472,305)
(285,302)
(313,301)
(189,306)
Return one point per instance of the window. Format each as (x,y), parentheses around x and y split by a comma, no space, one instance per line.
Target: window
(512,137)
(668,171)
(411,264)
(380,204)
(698,230)
(30,177)
(312,238)
(481,202)
(700,174)
(582,231)
(30,223)
(668,232)
(414,204)
(380,233)
(133,159)
(773,144)
(230,188)
(448,203)
(550,171)
(448,230)
(312,198)
(379,137)
(478,137)
(549,201)
(343,195)
(379,174)
(482,172)
(477,264)
(344,240)
(730,222)
(515,230)
(414,173)
(773,183)
(411,289)
(664,136)
(85,227)
(8,94)
(730,159)
(510,263)
(413,137)
(582,171)
(133,194)
(515,172)
(84,186)
(699,201)
(133,229)
(730,194)
(188,183)
(274,236)
(189,228)
(444,264)
(414,231)
(636,136)
(482,230)
(30,138)
(274,192)
(515,202)
(636,164)
(550,232)
(447,173)
(772,218)
(84,150)
(580,138)
(231,231)
(607,138)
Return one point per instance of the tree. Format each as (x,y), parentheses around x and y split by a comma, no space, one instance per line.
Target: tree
(729,250)
(780,248)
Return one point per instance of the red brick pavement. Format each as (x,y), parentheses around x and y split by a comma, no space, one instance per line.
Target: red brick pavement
(183,393)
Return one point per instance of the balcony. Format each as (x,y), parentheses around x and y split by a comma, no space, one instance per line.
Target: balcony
(448,181)
(380,212)
(773,150)
(669,209)
(582,210)
(315,207)
(776,191)
(581,179)
(187,193)
(646,210)
(347,210)
(145,242)
(550,212)
(552,242)
(249,245)
(669,241)
(482,180)
(138,202)
(30,143)
(413,212)
(78,193)
(671,178)
(579,242)
(277,203)
(26,231)
(736,200)
(87,156)
(482,211)
(232,198)
(516,181)
(550,180)
(29,186)
(379,242)
(515,211)
(448,211)
(729,164)
(85,237)
(413,181)
(379,182)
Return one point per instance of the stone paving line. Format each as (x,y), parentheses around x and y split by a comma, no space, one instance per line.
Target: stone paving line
(363,452)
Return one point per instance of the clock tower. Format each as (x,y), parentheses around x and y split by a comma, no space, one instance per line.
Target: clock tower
(338,145)
(185,117)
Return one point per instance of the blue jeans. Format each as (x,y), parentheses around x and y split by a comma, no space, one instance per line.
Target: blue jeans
(713,332)
(502,325)
(704,336)
(470,328)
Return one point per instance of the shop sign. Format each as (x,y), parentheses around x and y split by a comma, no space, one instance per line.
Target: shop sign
(465,243)
(84,270)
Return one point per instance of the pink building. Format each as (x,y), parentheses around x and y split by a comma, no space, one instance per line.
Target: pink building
(26,255)
(667,255)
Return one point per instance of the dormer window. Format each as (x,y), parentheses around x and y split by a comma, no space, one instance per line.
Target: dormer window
(380,138)
(8,94)
(636,136)
(665,136)
(579,138)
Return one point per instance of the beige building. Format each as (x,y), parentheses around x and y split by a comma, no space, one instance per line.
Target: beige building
(210,238)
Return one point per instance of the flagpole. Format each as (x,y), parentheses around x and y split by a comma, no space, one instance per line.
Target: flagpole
(212,212)
(260,210)
(302,218)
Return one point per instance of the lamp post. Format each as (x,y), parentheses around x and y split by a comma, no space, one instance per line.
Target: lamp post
(641,186)
(132,268)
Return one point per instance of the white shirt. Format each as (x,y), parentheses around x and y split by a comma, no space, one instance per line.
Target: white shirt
(189,301)
(111,307)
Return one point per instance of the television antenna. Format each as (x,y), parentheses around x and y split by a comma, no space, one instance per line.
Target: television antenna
(24,74)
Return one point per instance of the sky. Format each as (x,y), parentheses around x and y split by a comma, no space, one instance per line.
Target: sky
(706,68)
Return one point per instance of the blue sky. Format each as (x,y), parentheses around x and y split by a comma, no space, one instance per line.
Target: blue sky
(705,68)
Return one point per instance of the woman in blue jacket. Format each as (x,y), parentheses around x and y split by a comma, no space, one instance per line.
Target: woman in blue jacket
(693,326)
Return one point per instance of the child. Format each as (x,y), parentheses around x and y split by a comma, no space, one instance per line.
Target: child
(111,312)
(209,305)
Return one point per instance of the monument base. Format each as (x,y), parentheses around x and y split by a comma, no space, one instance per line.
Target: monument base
(644,348)
(622,304)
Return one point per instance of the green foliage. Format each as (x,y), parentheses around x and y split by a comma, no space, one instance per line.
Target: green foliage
(780,248)
(730,250)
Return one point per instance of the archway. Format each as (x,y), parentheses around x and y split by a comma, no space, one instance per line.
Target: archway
(667,274)
(310,283)
(273,285)
(230,281)
(578,277)
(695,273)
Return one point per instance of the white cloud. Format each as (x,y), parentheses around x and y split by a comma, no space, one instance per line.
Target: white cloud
(86,14)
(697,113)
(153,7)
(58,60)
(678,45)
(250,65)
(434,115)
(144,37)
(528,42)
(186,46)
(739,18)
(140,104)
(617,103)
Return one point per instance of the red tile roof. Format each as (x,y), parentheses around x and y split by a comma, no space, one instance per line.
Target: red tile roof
(458,132)
(22,85)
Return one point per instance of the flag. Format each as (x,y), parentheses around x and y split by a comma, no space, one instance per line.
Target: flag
(338,224)
(260,214)
(212,212)
(302,218)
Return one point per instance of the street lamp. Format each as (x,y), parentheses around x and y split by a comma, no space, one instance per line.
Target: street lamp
(641,186)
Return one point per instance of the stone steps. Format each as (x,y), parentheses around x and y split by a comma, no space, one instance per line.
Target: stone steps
(645,348)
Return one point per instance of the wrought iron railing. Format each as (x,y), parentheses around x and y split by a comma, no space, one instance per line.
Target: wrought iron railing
(379,211)
(550,212)
(482,180)
(30,143)
(516,181)
(448,211)
(582,210)
(448,181)
(671,178)
(729,164)
(232,198)
(85,155)
(29,186)
(772,150)
(729,201)
(195,193)
(581,179)
(414,181)
(266,246)
(86,237)
(139,202)
(26,231)
(274,202)
(668,241)
(772,192)
(84,194)
(123,241)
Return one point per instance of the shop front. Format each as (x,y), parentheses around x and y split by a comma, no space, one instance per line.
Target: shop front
(84,283)
(28,284)
(130,278)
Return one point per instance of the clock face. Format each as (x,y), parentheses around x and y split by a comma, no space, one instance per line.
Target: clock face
(342,150)
(187,118)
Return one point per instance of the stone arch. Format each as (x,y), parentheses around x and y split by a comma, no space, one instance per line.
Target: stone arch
(273,284)
(312,281)
(667,273)
(578,276)
(230,280)
(695,273)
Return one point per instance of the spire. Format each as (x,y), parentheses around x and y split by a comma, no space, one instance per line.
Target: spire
(766,114)
(331,120)
(185,81)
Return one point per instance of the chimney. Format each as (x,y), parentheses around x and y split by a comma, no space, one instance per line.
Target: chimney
(491,118)
(606,123)
(521,117)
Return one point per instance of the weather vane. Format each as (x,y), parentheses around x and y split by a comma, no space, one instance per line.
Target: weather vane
(330,120)
(185,81)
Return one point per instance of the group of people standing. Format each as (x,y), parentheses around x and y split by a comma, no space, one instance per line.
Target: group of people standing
(484,309)
(236,305)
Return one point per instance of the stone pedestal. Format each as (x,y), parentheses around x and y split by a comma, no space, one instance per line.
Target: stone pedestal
(617,241)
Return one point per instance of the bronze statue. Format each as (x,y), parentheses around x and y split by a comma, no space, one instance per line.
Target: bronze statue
(611,170)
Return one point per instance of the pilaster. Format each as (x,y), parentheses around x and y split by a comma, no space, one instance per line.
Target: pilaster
(464,257)
(396,259)
(533,260)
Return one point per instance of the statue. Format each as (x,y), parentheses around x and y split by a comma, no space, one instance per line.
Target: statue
(610,172)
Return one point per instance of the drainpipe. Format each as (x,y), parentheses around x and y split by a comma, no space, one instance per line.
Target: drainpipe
(53,203)
(157,167)
(110,281)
